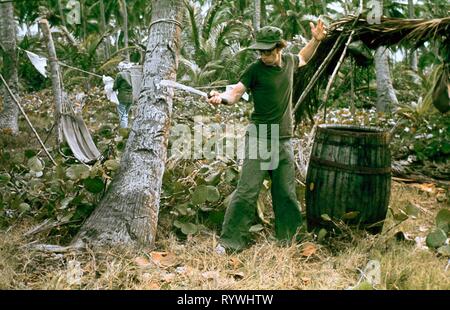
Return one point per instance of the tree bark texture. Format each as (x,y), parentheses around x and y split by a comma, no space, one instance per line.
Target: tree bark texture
(123,9)
(56,78)
(386,97)
(257,15)
(9,115)
(413,55)
(128,214)
(103,28)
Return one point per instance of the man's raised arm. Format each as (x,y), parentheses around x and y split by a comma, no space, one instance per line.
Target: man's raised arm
(308,51)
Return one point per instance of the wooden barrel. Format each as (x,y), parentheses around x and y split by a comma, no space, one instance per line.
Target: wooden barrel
(349,177)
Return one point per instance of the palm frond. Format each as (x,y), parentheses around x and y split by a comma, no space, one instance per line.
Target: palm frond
(192,17)
(210,18)
(392,31)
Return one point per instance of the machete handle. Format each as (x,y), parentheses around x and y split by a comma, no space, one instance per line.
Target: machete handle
(224,101)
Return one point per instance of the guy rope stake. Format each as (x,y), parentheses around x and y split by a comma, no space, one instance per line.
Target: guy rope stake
(27,119)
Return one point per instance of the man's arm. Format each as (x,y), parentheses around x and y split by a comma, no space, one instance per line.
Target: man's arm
(232,95)
(308,51)
(319,33)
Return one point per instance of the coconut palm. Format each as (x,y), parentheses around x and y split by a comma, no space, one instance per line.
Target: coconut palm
(386,97)
(128,213)
(10,113)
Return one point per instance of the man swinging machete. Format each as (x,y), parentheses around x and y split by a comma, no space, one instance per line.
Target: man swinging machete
(270,80)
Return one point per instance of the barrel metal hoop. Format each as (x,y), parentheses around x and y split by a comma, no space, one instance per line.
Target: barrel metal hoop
(351,131)
(318,162)
(327,141)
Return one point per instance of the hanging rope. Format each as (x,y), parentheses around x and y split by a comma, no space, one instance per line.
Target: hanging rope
(87,72)
(65,65)
(166,20)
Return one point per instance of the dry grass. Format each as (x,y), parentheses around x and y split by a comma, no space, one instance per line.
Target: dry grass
(192,264)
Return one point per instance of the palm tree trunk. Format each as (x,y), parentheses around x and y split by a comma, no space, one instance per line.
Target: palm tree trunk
(413,58)
(103,28)
(413,55)
(386,97)
(56,78)
(257,15)
(10,113)
(128,214)
(123,9)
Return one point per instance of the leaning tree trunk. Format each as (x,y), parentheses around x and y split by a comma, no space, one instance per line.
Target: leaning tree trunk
(123,10)
(56,78)
(103,29)
(128,214)
(10,112)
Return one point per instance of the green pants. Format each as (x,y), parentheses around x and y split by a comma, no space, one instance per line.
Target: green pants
(241,213)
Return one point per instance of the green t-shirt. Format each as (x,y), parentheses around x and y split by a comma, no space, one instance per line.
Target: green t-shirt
(122,83)
(271,88)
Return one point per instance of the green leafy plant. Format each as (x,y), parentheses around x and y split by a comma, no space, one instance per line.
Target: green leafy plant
(66,193)
(438,236)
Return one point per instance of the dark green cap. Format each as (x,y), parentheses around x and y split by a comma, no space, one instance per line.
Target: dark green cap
(267,38)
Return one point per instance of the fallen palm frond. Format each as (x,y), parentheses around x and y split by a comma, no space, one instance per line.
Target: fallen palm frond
(390,31)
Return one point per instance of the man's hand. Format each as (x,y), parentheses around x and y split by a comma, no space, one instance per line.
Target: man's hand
(215,98)
(318,32)
(229,97)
